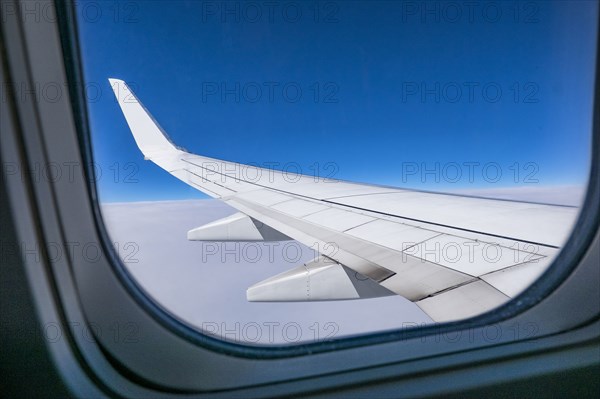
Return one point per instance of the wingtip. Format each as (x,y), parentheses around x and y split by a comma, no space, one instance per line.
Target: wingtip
(115,80)
(148,135)
(120,89)
(118,86)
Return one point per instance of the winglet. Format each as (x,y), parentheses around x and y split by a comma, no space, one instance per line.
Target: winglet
(148,135)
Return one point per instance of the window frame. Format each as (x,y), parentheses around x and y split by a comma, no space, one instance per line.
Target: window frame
(76,290)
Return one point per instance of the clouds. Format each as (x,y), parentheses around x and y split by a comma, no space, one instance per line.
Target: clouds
(204,284)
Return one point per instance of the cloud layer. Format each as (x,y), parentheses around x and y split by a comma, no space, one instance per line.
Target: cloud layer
(204,284)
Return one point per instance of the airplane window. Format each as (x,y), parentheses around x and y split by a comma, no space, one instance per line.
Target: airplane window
(282,173)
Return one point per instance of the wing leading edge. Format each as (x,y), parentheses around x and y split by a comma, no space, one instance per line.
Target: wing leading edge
(453,256)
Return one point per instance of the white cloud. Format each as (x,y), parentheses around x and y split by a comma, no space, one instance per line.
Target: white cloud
(211,293)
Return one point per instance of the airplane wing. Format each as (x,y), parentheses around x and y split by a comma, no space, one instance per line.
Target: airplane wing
(454,256)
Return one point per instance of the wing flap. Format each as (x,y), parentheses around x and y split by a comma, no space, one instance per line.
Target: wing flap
(463,301)
(513,280)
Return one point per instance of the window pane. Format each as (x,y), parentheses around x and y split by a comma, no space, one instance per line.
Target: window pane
(480,100)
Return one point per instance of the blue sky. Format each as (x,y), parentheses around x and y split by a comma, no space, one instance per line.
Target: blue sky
(385,89)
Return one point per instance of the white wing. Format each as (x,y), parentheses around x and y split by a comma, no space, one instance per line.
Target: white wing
(454,256)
